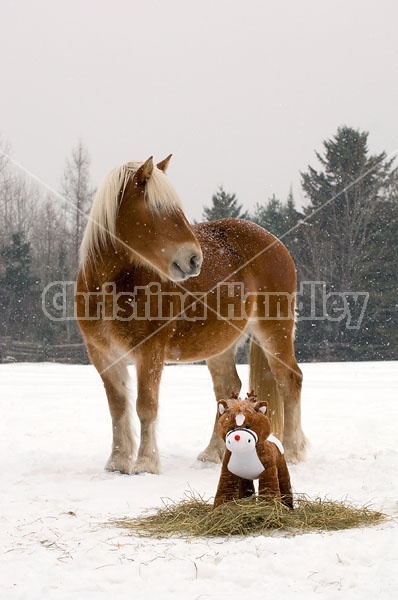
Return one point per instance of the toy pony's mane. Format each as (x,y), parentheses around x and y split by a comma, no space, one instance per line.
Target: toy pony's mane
(236,404)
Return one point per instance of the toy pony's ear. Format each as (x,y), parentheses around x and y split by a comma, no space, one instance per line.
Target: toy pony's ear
(261,407)
(222,407)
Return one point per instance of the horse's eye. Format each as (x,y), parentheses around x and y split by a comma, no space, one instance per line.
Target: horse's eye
(248,427)
(231,428)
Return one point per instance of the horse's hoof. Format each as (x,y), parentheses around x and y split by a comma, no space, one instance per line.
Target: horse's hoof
(120,463)
(146,465)
(213,455)
(295,454)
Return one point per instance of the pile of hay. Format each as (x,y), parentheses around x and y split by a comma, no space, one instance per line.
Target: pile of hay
(196,517)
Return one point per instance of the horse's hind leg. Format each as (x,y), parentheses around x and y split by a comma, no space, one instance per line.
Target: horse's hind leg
(115,377)
(276,338)
(289,379)
(225,379)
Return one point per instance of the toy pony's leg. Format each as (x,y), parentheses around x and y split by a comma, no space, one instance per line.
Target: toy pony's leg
(284,484)
(246,488)
(228,485)
(268,484)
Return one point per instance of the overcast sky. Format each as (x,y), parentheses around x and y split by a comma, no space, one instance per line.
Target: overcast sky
(241,92)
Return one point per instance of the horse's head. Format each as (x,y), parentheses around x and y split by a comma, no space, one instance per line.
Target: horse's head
(242,423)
(151,225)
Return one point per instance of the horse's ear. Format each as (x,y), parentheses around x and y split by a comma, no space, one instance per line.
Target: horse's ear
(144,172)
(163,165)
(222,406)
(261,407)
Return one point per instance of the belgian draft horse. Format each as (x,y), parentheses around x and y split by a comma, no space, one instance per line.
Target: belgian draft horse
(152,289)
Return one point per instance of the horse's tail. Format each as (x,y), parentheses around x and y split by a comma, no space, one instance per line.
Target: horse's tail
(264,385)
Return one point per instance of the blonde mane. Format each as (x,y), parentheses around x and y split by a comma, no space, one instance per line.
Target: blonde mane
(101,225)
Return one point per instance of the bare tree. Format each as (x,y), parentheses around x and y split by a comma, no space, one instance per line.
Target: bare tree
(4,187)
(48,239)
(19,199)
(78,196)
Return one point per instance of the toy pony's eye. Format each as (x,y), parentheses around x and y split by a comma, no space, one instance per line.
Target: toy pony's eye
(248,427)
(231,428)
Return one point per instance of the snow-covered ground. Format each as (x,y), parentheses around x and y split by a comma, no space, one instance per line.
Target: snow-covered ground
(56,499)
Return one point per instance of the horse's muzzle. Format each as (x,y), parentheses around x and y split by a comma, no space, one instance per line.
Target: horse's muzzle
(186,265)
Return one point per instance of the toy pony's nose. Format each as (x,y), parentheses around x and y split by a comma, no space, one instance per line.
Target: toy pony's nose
(237,437)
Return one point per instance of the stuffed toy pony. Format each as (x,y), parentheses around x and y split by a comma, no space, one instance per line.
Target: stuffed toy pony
(252,452)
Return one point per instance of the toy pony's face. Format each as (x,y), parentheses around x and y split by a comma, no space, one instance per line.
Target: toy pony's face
(242,423)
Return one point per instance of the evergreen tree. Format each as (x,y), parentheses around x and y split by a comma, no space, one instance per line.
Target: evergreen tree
(347,197)
(281,219)
(223,206)
(270,216)
(18,260)
(20,294)
(344,196)
(379,277)
(277,217)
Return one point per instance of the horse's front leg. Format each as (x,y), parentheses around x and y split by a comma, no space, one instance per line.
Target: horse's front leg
(149,370)
(114,374)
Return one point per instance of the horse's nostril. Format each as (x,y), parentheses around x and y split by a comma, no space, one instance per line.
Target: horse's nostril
(194,262)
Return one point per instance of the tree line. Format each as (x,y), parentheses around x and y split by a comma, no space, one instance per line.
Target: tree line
(343,241)
(40,235)
(345,246)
